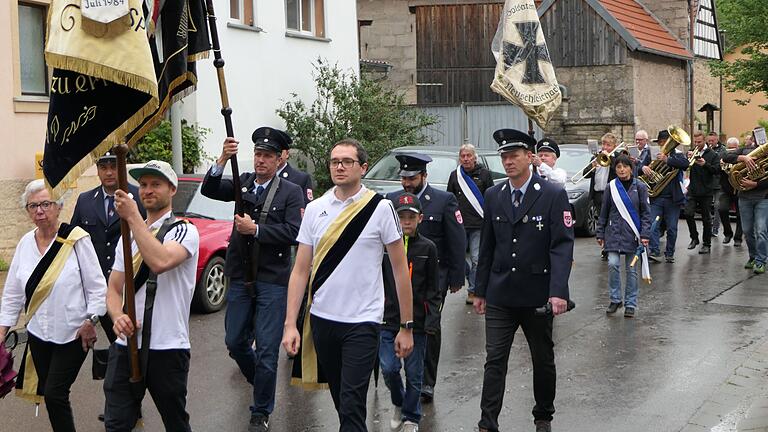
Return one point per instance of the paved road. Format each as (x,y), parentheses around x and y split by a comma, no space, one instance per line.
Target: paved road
(651,373)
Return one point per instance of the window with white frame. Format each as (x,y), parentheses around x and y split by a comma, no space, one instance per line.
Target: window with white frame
(306,16)
(32,68)
(242,11)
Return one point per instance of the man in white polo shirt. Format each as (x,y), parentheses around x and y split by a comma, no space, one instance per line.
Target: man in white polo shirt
(172,263)
(341,246)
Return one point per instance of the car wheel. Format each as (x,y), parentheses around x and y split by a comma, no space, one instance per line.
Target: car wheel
(589,227)
(211,290)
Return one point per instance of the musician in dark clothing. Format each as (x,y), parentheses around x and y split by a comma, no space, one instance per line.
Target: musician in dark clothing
(729,198)
(701,190)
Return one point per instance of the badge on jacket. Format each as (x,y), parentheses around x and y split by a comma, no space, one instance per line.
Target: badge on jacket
(567,219)
(459,219)
(309,195)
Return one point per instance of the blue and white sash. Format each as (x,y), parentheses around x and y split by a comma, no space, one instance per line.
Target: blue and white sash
(470,190)
(629,214)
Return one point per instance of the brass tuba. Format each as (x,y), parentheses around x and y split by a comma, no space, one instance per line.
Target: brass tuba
(740,171)
(662,173)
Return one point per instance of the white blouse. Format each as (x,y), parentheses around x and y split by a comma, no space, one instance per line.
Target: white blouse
(78,293)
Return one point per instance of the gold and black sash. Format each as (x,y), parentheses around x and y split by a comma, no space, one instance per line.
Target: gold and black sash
(330,251)
(39,286)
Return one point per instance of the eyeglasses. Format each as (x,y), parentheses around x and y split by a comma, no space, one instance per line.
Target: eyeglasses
(346,163)
(45,205)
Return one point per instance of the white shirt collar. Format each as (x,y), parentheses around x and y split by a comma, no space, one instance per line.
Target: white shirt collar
(418,195)
(523,188)
(353,198)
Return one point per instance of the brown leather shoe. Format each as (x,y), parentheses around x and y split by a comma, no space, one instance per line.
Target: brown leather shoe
(543,425)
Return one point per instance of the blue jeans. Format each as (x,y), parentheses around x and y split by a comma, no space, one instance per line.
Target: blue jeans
(258,320)
(473,242)
(754,223)
(614,279)
(669,213)
(408,398)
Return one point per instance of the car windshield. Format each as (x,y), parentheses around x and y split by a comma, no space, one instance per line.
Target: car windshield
(190,202)
(573,159)
(388,168)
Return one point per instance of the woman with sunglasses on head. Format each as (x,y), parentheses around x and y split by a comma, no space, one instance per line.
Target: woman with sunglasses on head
(55,279)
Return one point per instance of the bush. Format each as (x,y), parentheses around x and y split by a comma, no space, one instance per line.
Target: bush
(156,144)
(350,107)
(4,266)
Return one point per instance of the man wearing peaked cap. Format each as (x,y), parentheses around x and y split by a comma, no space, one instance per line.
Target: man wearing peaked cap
(545,159)
(443,224)
(526,249)
(256,310)
(284,170)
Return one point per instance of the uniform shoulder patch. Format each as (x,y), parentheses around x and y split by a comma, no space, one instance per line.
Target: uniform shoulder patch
(567,219)
(459,219)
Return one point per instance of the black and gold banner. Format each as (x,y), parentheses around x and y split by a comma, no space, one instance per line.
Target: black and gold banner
(114,86)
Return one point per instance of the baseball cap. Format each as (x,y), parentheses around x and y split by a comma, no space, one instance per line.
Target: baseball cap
(158,168)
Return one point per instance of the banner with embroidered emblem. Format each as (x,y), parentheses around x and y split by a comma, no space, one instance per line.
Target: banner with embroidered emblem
(524,73)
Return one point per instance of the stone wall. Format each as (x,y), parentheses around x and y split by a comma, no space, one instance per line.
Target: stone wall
(706,89)
(391,38)
(660,92)
(14,219)
(674,14)
(600,100)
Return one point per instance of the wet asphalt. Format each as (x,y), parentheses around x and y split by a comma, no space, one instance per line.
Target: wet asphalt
(650,373)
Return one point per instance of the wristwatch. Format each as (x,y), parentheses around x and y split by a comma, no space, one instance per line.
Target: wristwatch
(408,325)
(94,319)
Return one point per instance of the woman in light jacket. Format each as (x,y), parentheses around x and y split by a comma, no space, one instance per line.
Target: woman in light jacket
(617,236)
(56,280)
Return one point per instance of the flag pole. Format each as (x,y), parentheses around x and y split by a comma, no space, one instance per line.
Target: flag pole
(129,291)
(532,134)
(226,111)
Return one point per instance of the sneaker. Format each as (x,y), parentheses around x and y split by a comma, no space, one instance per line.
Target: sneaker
(470,298)
(693,244)
(704,249)
(259,423)
(629,312)
(727,239)
(759,269)
(397,418)
(750,264)
(543,425)
(669,259)
(427,394)
(612,308)
(410,426)
(655,257)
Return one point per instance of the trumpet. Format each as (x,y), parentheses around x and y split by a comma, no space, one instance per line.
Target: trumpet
(694,155)
(603,159)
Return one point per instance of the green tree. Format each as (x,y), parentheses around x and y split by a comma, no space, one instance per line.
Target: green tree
(744,23)
(156,144)
(348,106)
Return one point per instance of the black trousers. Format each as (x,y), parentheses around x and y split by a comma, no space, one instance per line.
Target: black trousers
(57,367)
(723,208)
(432,356)
(704,205)
(501,323)
(166,381)
(347,353)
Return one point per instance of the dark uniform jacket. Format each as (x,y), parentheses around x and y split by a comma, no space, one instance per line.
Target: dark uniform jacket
(482,178)
(300,178)
(643,159)
(527,259)
(427,296)
(90,214)
(720,150)
(274,238)
(611,227)
(704,178)
(443,225)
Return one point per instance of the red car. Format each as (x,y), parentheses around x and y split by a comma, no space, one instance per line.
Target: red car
(213,220)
